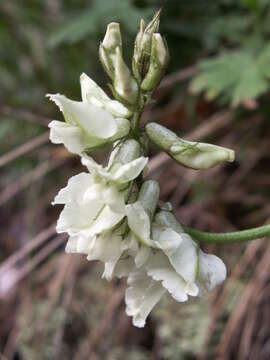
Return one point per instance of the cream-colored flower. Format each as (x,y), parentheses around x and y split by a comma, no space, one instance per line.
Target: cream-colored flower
(175,264)
(117,172)
(92,122)
(106,247)
(95,206)
(91,206)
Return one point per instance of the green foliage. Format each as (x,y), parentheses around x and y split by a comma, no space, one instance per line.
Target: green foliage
(240,71)
(96,17)
(235,76)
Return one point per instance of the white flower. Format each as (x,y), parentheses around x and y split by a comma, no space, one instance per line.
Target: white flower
(90,207)
(212,272)
(139,222)
(107,247)
(176,265)
(95,204)
(91,122)
(94,95)
(117,173)
(148,283)
(142,295)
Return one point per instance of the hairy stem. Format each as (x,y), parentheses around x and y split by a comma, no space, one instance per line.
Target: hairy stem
(231,237)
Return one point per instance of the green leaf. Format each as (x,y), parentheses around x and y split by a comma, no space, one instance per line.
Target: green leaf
(251,85)
(264,62)
(235,76)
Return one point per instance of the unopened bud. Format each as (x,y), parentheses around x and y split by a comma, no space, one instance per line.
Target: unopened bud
(149,196)
(112,38)
(142,47)
(159,60)
(107,50)
(194,155)
(125,85)
(129,150)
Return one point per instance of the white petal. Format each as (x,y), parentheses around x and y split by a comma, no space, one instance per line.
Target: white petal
(123,127)
(139,222)
(76,218)
(119,174)
(109,195)
(212,271)
(117,109)
(159,268)
(106,248)
(130,244)
(94,192)
(112,197)
(90,89)
(94,167)
(74,191)
(74,139)
(78,244)
(93,94)
(141,296)
(113,154)
(181,251)
(108,272)
(142,255)
(129,171)
(95,121)
(124,267)
(106,220)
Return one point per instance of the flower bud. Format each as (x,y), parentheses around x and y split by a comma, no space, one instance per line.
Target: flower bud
(107,50)
(125,85)
(149,196)
(194,155)
(129,150)
(142,48)
(159,60)
(112,38)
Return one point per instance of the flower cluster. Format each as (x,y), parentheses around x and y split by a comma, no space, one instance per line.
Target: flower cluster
(110,213)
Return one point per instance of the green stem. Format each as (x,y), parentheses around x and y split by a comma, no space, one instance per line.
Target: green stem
(228,238)
(135,122)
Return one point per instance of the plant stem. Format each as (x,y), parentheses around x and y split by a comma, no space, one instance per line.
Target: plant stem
(135,122)
(228,238)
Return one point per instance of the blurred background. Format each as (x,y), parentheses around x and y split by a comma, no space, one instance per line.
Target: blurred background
(56,306)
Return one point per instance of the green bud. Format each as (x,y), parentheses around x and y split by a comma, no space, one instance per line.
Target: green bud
(159,60)
(194,155)
(142,47)
(129,150)
(125,85)
(137,60)
(107,50)
(161,136)
(149,196)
